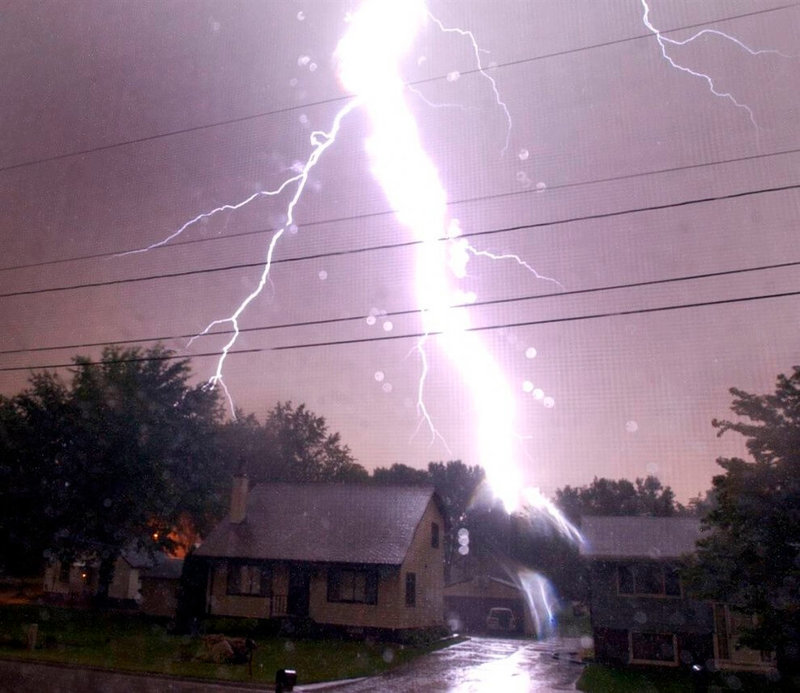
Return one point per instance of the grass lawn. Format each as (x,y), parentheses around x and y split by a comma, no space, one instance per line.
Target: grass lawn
(598,678)
(135,643)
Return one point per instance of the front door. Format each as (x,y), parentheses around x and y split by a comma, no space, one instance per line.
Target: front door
(299,580)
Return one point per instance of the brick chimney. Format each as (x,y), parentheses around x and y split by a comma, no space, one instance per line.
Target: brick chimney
(241,486)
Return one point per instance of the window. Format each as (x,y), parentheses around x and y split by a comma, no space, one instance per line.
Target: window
(434,535)
(411,589)
(63,571)
(249,579)
(352,586)
(657,648)
(648,580)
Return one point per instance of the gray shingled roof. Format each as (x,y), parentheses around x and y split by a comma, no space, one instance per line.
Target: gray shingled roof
(328,523)
(639,537)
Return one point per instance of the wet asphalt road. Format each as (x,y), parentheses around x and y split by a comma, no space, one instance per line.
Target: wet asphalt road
(477,665)
(483,664)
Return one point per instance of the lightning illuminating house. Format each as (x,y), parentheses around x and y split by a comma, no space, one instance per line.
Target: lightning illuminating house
(354,556)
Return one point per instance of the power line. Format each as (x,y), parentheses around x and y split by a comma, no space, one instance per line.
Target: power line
(338,99)
(357,217)
(418,335)
(403,244)
(405,312)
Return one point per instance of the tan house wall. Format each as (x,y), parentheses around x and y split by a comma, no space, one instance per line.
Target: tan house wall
(77,585)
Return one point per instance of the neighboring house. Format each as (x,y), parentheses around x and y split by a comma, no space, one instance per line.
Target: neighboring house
(78,581)
(467,604)
(640,611)
(350,555)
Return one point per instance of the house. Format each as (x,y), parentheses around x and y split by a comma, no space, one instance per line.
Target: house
(77,581)
(349,555)
(640,611)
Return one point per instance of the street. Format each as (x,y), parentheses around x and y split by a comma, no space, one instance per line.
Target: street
(479,664)
(483,664)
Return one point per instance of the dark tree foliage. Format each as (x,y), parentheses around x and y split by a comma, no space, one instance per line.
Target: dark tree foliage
(751,556)
(112,459)
(293,444)
(622,497)
(401,474)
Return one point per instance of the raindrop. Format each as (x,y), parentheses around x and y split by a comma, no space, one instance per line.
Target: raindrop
(631,426)
(523,154)
(387,388)
(371,320)
(387,326)
(388,655)
(323,275)
(379,376)
(303,119)
(538,393)
(303,60)
(293,229)
(288,646)
(301,16)
(527,386)
(530,353)
(463,550)
(522,177)
(421,60)
(312,67)
(540,186)
(293,82)
(640,617)
(549,402)
(652,468)
(453,76)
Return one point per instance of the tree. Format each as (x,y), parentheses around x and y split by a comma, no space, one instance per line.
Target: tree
(293,444)
(121,454)
(751,556)
(622,497)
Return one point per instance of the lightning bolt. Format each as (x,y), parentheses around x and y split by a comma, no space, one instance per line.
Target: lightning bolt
(320,141)
(477,51)
(379,34)
(664,41)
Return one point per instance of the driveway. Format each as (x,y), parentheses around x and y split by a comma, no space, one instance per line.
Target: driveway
(483,664)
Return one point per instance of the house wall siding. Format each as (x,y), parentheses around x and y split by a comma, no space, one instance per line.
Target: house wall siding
(223,604)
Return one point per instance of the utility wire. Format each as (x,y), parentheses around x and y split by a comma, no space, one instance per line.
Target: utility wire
(419,335)
(338,99)
(403,244)
(402,313)
(451,203)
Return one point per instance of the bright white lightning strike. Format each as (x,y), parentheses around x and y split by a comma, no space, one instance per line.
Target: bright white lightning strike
(379,34)
(664,41)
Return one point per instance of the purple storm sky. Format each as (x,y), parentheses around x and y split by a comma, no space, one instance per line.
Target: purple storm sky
(620,170)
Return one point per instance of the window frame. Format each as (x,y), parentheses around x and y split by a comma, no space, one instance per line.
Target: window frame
(338,578)
(435,535)
(655,662)
(239,587)
(634,574)
(411,590)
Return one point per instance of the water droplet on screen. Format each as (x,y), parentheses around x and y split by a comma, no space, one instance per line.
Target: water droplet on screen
(453,76)
(523,154)
(549,402)
(379,376)
(530,353)
(323,275)
(527,386)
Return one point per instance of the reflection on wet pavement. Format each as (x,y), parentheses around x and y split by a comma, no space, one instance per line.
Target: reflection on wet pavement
(484,664)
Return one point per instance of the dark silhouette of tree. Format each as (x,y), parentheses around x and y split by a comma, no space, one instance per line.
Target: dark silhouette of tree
(293,444)
(622,497)
(751,556)
(401,474)
(120,453)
